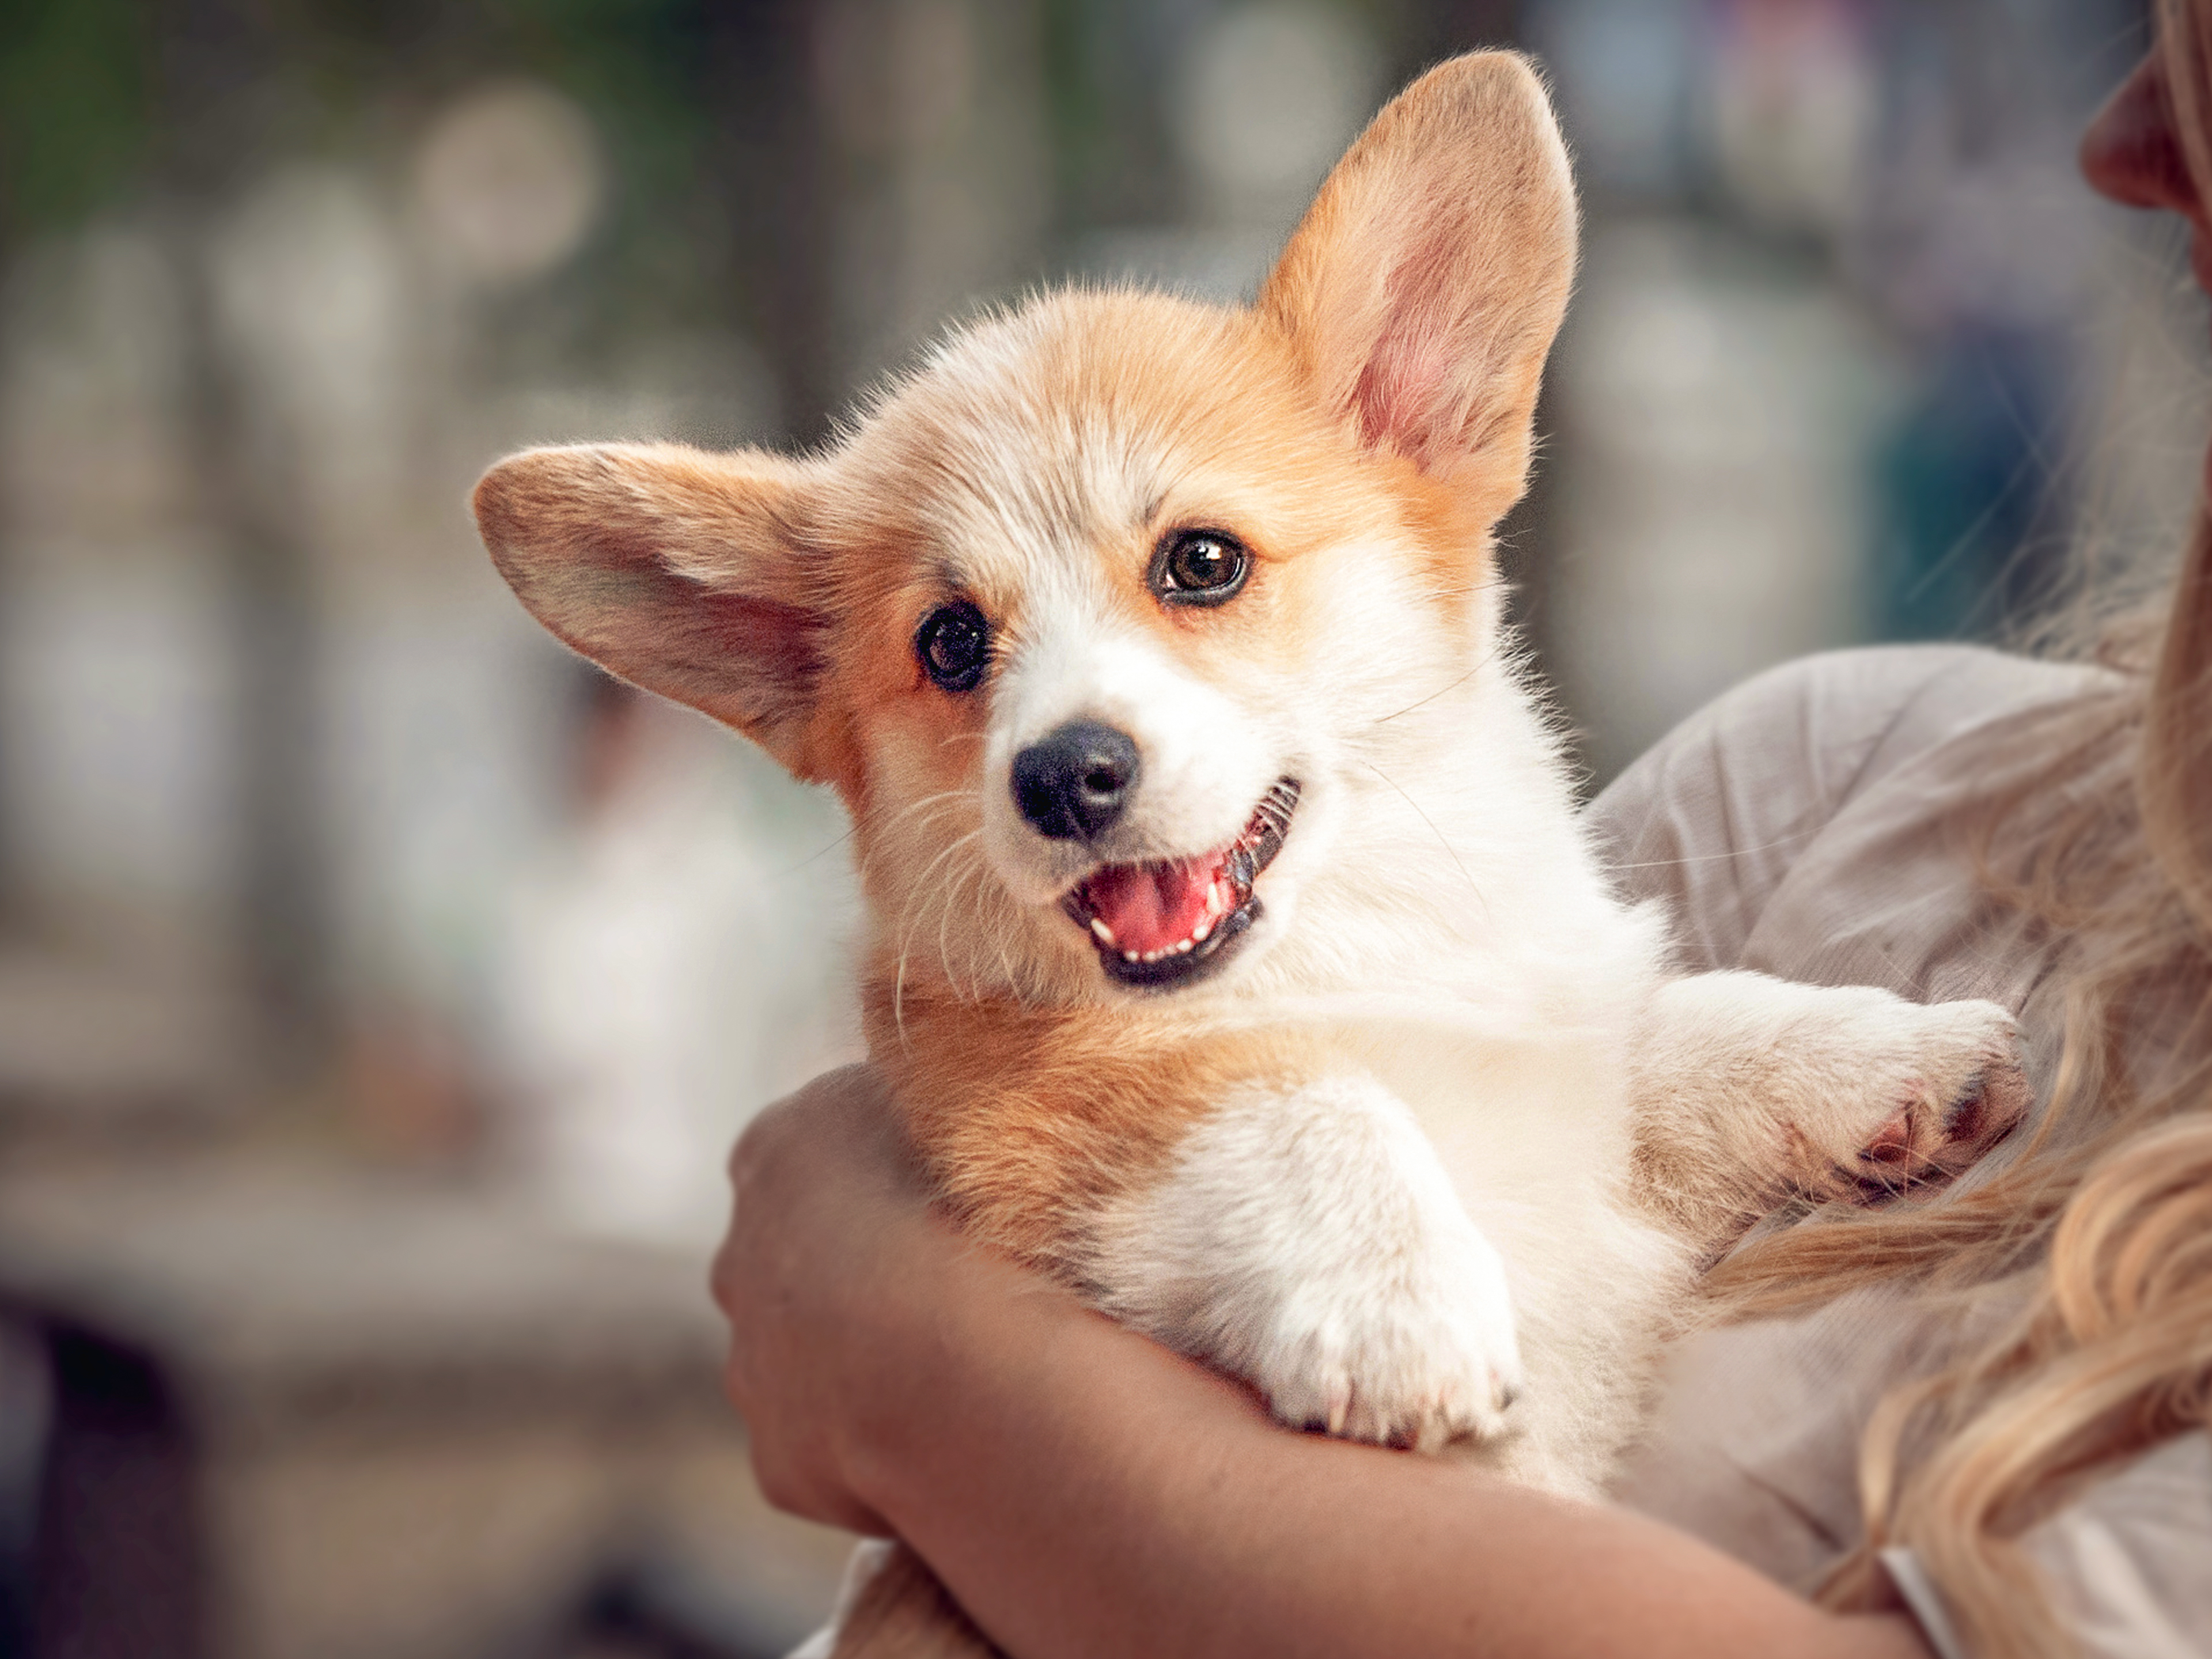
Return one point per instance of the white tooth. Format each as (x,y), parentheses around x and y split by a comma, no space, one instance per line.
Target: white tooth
(1154,955)
(1183,946)
(1198,934)
(1131,955)
(1215,904)
(1105,933)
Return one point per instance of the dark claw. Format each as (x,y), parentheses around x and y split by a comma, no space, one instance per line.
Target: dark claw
(1963,1121)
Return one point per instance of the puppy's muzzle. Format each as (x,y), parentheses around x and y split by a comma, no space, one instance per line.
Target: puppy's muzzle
(1074,784)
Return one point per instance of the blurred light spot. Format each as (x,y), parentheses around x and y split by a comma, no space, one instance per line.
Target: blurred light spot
(117,682)
(310,290)
(511,180)
(1269,99)
(898,77)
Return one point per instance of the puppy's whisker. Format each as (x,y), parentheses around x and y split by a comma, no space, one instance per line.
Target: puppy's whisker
(936,802)
(1488,657)
(913,818)
(922,891)
(1442,841)
(999,924)
(918,899)
(995,916)
(925,823)
(986,920)
(945,908)
(908,921)
(851,829)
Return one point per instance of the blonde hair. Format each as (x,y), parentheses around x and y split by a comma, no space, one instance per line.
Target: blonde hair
(2105,1217)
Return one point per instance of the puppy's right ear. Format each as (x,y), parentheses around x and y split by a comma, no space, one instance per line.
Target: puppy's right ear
(678,571)
(1423,288)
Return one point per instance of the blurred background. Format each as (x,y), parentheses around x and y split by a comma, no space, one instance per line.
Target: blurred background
(380,989)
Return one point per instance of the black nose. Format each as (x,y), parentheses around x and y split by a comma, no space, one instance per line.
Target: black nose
(1076,782)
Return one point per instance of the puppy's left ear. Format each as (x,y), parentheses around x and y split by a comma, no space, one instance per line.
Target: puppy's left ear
(1424,286)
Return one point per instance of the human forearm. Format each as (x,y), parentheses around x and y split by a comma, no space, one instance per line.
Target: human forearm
(1086,1494)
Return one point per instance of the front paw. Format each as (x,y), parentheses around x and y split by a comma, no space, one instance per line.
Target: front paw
(1416,1357)
(1942,1085)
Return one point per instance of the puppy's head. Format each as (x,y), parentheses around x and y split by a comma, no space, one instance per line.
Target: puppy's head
(1101,620)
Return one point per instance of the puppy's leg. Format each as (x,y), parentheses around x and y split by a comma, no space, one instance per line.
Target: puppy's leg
(1746,1085)
(1309,1241)
(893,1607)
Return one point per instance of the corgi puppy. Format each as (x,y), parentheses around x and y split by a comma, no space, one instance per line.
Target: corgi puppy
(1234,952)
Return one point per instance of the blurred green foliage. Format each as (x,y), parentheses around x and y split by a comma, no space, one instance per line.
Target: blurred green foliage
(76,105)
(705,109)
(111,103)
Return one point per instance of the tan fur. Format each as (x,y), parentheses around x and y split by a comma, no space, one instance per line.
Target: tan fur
(1030,1119)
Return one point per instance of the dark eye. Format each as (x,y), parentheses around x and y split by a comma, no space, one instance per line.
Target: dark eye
(1200,567)
(954,644)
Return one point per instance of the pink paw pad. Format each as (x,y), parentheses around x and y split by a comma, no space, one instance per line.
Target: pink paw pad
(1922,1141)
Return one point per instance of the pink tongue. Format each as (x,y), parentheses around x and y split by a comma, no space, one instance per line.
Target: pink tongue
(1150,906)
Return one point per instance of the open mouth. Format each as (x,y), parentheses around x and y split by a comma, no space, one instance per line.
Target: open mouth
(1169,923)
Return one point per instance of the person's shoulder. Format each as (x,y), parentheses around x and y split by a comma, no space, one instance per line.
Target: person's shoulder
(1874,701)
(1713,817)
(1815,729)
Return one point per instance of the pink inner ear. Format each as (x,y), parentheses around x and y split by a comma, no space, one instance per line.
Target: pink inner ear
(1412,393)
(1398,397)
(743,634)
(734,648)
(743,658)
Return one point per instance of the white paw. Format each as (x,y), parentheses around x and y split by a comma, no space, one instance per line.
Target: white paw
(1922,1091)
(1416,1355)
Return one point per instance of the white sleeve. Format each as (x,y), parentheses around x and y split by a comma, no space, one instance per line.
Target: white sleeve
(2128,1567)
(1923,1600)
(1712,818)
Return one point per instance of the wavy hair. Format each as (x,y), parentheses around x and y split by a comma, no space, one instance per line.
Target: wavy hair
(2103,1220)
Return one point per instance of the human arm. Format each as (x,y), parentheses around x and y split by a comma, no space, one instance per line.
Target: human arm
(1085,1493)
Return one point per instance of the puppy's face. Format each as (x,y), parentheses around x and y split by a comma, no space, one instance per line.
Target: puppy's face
(1100,622)
(1132,600)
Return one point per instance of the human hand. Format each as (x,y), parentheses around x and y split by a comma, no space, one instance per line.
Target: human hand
(823,1275)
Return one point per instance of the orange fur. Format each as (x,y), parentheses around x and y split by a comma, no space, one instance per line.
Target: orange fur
(1030,1119)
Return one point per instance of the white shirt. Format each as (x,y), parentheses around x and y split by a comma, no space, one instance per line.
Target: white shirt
(1813,824)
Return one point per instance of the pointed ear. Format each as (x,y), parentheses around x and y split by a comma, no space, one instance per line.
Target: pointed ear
(1423,289)
(675,570)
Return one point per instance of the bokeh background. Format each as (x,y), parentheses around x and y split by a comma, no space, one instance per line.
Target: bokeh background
(380,989)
